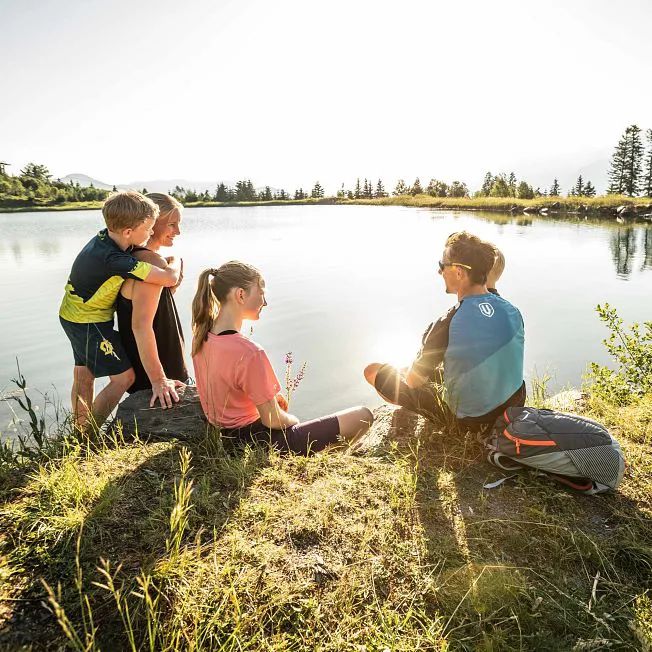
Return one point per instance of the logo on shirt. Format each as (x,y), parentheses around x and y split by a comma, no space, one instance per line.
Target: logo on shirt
(486,309)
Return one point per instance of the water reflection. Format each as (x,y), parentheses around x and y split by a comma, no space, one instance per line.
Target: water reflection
(48,248)
(623,250)
(17,251)
(647,248)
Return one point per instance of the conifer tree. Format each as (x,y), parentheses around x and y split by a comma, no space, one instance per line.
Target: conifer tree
(401,188)
(416,187)
(512,184)
(647,168)
(380,189)
(589,189)
(555,190)
(617,167)
(488,182)
(579,186)
(299,194)
(317,191)
(634,162)
(625,174)
(357,193)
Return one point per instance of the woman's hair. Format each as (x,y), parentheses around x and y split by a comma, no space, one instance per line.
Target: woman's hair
(211,292)
(166,204)
(470,250)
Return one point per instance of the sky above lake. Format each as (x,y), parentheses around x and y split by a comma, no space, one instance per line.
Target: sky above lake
(289,92)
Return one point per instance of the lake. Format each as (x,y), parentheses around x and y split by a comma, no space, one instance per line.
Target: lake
(346,285)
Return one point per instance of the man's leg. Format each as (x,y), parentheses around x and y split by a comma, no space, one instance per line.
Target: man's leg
(110,396)
(83,388)
(426,400)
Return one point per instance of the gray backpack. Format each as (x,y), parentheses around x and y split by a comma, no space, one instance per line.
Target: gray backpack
(576,451)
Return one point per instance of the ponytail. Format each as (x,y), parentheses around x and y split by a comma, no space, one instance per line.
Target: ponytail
(211,293)
(205,307)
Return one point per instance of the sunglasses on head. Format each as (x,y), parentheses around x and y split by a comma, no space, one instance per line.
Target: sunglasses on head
(442,265)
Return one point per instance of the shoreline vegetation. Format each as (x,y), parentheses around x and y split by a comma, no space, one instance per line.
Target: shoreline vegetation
(629,192)
(121,543)
(605,206)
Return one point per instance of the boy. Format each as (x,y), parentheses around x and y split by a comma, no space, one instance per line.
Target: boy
(86,312)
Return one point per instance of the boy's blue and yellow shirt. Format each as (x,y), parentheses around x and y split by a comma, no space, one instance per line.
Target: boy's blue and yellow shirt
(99,270)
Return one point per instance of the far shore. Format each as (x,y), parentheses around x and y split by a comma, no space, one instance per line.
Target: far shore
(603,206)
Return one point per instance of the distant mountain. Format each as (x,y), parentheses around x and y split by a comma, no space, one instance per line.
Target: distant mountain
(155,185)
(85,181)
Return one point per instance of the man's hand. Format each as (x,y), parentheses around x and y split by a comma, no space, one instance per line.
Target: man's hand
(165,390)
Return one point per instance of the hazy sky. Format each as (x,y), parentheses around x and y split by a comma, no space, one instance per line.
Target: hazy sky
(291,91)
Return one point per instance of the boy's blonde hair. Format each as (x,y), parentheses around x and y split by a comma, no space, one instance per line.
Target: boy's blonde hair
(128,209)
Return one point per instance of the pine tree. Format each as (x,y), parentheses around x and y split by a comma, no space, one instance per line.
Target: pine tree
(357,193)
(555,190)
(589,189)
(380,189)
(512,184)
(488,182)
(634,162)
(647,169)
(299,194)
(626,164)
(267,194)
(579,186)
(114,189)
(317,191)
(401,188)
(416,187)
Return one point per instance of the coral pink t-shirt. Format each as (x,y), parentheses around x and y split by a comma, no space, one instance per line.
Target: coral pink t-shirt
(233,375)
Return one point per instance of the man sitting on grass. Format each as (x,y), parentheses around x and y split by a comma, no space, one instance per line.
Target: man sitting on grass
(470,366)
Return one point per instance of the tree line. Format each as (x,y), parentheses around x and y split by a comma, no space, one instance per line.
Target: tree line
(630,173)
(34,185)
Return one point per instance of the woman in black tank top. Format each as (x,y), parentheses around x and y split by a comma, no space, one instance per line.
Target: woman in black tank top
(148,320)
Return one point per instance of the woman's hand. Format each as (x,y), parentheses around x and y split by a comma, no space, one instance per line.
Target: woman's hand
(165,390)
(282,402)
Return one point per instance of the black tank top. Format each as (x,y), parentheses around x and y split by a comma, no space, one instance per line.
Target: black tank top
(168,335)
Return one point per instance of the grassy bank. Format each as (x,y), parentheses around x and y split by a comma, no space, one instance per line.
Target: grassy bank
(559,204)
(66,206)
(604,204)
(165,546)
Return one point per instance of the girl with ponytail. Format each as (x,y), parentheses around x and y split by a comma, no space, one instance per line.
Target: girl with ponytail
(237,386)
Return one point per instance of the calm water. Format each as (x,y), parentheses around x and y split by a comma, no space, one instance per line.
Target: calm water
(346,285)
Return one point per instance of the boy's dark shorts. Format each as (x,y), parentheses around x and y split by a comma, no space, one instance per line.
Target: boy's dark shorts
(97,347)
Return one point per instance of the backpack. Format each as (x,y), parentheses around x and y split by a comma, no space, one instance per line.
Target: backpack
(579,452)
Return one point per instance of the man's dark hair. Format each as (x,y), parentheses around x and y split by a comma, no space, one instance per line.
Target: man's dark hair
(470,250)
